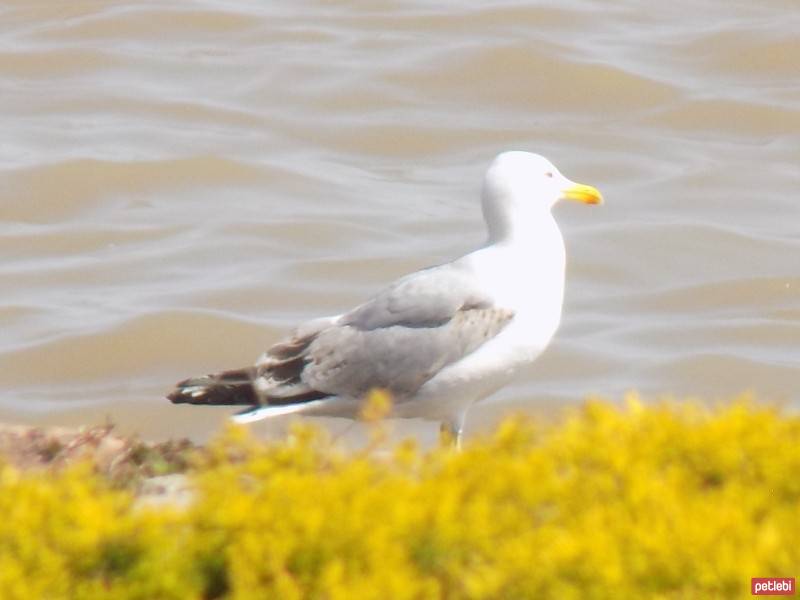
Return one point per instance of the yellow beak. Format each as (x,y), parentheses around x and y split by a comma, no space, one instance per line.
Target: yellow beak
(582,193)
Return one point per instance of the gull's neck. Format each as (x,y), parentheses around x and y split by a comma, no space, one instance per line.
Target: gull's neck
(514,214)
(521,228)
(522,266)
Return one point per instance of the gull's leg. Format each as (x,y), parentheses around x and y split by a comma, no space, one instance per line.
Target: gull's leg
(452,429)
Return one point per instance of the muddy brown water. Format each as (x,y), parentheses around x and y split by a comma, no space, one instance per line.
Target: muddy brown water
(181,182)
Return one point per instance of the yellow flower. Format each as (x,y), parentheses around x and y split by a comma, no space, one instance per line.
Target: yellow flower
(630,500)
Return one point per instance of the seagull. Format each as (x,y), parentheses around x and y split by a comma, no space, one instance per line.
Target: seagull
(437,340)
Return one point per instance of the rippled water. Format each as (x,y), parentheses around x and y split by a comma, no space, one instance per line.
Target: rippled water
(181,182)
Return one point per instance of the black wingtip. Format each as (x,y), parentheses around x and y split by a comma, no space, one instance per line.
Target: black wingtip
(191,391)
(177,396)
(228,388)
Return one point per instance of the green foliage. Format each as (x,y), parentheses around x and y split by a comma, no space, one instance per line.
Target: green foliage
(665,501)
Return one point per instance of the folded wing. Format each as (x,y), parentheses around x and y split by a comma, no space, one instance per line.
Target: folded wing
(397,341)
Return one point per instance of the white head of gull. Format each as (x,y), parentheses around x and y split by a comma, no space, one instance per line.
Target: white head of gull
(437,340)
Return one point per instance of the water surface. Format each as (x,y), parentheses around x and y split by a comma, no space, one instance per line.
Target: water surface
(181,182)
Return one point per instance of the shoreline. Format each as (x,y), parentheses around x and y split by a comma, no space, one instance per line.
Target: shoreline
(153,471)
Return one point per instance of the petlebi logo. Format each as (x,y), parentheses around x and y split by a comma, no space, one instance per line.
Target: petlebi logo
(772,586)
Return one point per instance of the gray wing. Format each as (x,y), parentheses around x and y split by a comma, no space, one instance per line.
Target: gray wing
(397,341)
(423,299)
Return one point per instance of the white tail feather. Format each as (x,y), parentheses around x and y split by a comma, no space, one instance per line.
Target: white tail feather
(276,410)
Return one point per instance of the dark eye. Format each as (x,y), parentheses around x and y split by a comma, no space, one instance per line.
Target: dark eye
(548,174)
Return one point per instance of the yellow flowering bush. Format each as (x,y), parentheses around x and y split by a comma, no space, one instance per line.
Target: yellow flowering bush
(672,500)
